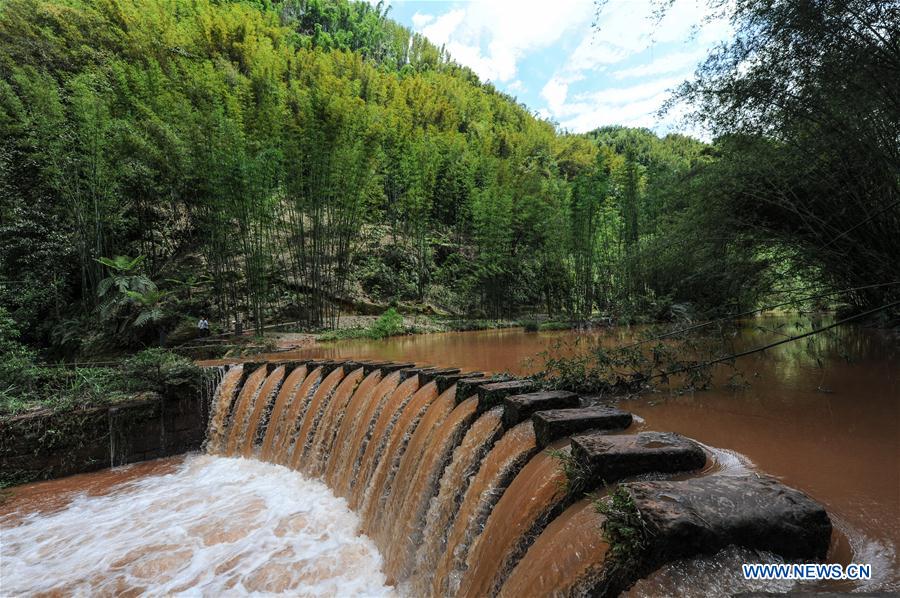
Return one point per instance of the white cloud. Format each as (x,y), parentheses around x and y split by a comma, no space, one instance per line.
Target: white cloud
(420,20)
(633,106)
(625,46)
(634,93)
(491,37)
(555,92)
(439,29)
(669,63)
(516,86)
(640,113)
(592,53)
(627,27)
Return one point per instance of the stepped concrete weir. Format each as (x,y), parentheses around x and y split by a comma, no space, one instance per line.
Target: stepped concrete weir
(611,458)
(518,408)
(558,423)
(473,485)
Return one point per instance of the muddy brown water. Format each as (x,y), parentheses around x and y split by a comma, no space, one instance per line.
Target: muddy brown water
(822,415)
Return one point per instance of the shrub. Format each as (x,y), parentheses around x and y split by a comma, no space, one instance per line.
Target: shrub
(19,375)
(158,370)
(624,528)
(390,323)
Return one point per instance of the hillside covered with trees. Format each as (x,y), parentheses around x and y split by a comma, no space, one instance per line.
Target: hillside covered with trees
(278,161)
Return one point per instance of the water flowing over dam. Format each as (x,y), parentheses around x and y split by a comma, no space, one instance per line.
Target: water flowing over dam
(447,472)
(461,485)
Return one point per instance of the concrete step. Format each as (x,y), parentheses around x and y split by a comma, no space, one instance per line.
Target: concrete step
(557,423)
(607,459)
(518,408)
(491,395)
(681,519)
(445,381)
(468,386)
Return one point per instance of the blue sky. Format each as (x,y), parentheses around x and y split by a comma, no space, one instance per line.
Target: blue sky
(570,63)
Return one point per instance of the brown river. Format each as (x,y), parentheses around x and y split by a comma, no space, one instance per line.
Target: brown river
(823,415)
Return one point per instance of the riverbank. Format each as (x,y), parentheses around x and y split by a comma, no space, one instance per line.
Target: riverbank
(368,327)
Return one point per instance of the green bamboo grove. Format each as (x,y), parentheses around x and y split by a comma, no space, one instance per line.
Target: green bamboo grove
(273,161)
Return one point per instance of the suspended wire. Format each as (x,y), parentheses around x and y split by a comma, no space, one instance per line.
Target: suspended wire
(858,224)
(754,311)
(790,339)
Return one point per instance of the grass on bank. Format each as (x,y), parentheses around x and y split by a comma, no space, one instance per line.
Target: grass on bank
(391,323)
(29,386)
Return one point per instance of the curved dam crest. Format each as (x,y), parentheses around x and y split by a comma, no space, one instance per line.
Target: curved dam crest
(467,485)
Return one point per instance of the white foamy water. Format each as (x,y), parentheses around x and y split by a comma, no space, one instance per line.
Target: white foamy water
(213,526)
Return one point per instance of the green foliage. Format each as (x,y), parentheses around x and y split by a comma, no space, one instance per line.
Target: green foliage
(158,370)
(623,528)
(803,101)
(589,365)
(19,377)
(283,161)
(576,474)
(390,323)
(25,384)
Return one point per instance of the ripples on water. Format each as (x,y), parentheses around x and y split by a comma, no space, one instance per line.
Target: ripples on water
(213,525)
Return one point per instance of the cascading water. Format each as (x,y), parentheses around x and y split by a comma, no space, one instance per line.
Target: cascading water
(424,471)
(381,435)
(399,532)
(563,554)
(443,507)
(498,468)
(527,503)
(388,461)
(451,503)
(221,404)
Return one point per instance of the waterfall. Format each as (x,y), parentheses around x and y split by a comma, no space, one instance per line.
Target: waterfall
(460,487)
(455,492)
(423,469)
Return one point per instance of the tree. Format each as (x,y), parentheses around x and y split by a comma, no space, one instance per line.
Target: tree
(806,103)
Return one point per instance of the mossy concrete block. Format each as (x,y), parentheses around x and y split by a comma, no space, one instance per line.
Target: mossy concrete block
(612,458)
(53,444)
(518,408)
(409,373)
(327,365)
(704,515)
(467,387)
(490,395)
(558,423)
(393,367)
(371,366)
(445,381)
(709,513)
(426,375)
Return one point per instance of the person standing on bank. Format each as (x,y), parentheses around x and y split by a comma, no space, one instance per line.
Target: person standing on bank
(203,326)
